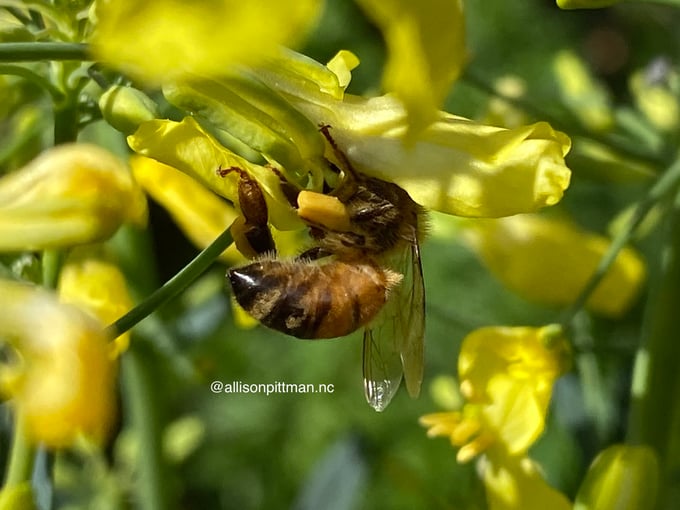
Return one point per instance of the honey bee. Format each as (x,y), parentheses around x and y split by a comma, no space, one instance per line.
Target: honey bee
(363,271)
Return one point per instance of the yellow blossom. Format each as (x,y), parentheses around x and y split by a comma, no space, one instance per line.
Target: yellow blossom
(62,380)
(98,286)
(425,52)
(71,194)
(455,166)
(506,375)
(199,213)
(550,261)
(163,40)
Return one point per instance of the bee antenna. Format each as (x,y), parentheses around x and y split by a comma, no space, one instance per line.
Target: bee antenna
(325,130)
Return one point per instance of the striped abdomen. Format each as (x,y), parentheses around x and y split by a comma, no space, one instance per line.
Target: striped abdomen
(308,300)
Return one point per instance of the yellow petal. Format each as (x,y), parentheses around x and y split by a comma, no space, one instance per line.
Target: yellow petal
(455,166)
(98,286)
(199,213)
(188,148)
(550,261)
(426,51)
(510,373)
(515,483)
(342,65)
(155,41)
(65,386)
(71,194)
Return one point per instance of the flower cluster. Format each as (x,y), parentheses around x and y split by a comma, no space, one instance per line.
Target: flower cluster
(246,107)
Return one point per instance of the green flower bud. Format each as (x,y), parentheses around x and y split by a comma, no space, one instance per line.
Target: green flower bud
(125,108)
(622,477)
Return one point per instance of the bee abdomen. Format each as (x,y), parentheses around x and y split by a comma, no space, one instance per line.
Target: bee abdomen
(307,300)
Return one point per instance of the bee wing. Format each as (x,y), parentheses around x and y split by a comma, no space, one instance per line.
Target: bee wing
(411,331)
(393,344)
(382,366)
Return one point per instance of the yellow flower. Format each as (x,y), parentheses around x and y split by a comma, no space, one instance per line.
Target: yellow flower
(425,52)
(98,286)
(199,213)
(622,477)
(62,380)
(155,41)
(506,375)
(550,261)
(454,166)
(71,194)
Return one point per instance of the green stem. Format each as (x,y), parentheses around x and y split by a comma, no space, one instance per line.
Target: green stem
(667,183)
(41,81)
(51,265)
(141,411)
(21,456)
(34,51)
(173,286)
(655,405)
(66,121)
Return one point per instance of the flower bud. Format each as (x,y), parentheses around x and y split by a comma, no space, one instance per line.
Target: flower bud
(69,195)
(622,477)
(125,108)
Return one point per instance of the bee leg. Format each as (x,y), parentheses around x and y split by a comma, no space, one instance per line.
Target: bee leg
(290,191)
(314,253)
(251,232)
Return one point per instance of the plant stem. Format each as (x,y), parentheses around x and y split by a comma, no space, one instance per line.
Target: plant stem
(36,51)
(655,403)
(21,456)
(26,73)
(142,415)
(667,183)
(173,286)
(51,265)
